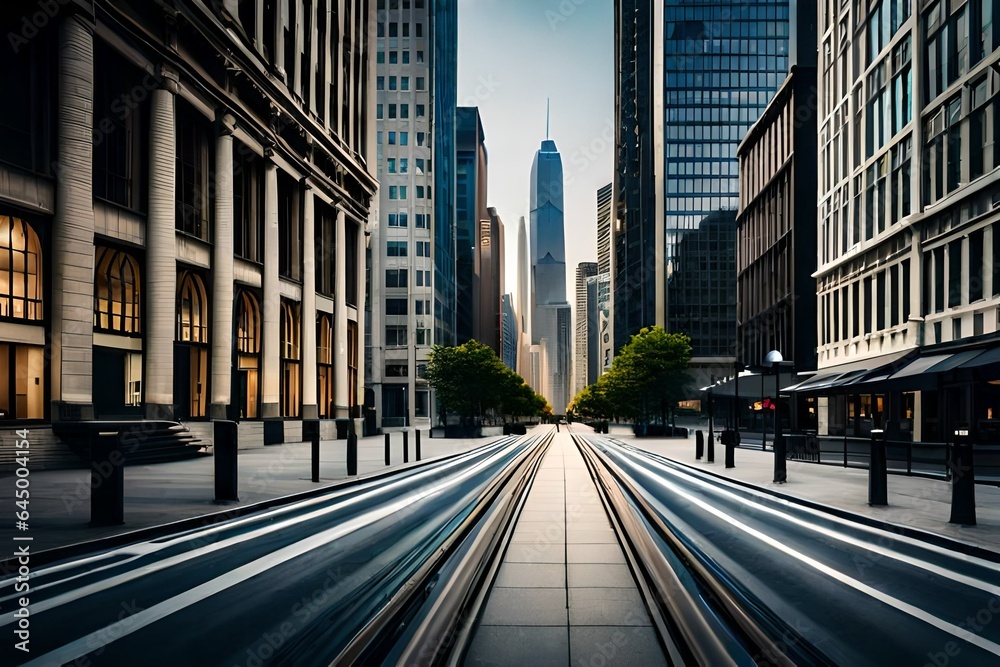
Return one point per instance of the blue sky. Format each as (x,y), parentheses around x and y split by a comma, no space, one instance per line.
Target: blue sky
(513,54)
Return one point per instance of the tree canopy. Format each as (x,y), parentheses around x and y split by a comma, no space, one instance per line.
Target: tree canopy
(647,378)
(470,381)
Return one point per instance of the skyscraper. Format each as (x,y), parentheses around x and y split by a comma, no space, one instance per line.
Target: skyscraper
(549,324)
(523,303)
(604,197)
(470,211)
(687,94)
(509,336)
(581,343)
(490,271)
(412,290)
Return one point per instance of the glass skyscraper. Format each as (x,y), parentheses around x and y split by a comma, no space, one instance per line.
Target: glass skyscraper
(722,63)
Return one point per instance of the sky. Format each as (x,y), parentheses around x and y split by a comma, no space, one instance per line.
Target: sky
(512,55)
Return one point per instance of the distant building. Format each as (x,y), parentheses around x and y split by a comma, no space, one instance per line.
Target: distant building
(550,326)
(509,337)
(470,211)
(412,288)
(605,197)
(490,269)
(585,308)
(524,366)
(200,254)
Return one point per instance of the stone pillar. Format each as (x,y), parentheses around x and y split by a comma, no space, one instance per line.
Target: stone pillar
(161,251)
(73,228)
(310,406)
(271,307)
(340,319)
(362,271)
(222,273)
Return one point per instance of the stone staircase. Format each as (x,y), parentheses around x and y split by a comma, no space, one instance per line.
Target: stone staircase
(143,442)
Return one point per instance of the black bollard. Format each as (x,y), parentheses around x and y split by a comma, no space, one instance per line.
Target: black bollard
(107,480)
(963,481)
(731,450)
(699,445)
(387,456)
(352,453)
(416,444)
(225,446)
(710,444)
(406,446)
(310,433)
(878,474)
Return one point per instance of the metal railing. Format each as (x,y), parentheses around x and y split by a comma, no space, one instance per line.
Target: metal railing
(917,459)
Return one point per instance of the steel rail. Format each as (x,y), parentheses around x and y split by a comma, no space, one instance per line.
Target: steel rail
(759,632)
(381,634)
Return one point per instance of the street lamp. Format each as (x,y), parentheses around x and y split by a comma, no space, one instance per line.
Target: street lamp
(773,361)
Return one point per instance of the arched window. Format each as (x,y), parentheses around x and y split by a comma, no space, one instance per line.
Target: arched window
(248,346)
(192,309)
(291,384)
(324,357)
(20,271)
(248,324)
(117,292)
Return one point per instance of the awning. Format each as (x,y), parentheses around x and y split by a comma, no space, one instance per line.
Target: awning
(834,377)
(750,385)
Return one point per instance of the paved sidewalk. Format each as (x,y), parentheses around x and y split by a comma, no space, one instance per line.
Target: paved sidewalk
(166,492)
(564,594)
(923,504)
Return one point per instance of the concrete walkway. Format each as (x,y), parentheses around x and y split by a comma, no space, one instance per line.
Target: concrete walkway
(916,502)
(166,492)
(564,594)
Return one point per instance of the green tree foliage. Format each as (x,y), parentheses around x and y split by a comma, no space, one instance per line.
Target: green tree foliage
(472,382)
(647,378)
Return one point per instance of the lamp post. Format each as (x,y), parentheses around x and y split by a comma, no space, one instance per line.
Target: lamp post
(773,361)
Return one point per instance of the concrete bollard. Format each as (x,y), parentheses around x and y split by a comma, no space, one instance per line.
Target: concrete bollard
(878,482)
(107,480)
(963,480)
(225,448)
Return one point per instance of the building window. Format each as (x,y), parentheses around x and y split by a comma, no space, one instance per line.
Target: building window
(117,130)
(289,228)
(397,370)
(324,394)
(22,382)
(248,346)
(939,280)
(422,403)
(396,306)
(191,352)
(395,336)
(291,383)
(326,266)
(117,293)
(976,273)
(20,271)
(396,249)
(351,264)
(352,367)
(248,205)
(193,171)
(396,278)
(955,274)
(899,182)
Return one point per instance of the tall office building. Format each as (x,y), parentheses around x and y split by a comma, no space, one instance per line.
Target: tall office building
(582,340)
(470,211)
(412,284)
(550,325)
(524,365)
(509,336)
(605,196)
(490,271)
(182,236)
(693,78)
(909,237)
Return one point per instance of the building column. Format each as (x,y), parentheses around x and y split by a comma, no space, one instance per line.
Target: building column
(161,252)
(73,228)
(310,405)
(360,342)
(271,307)
(340,319)
(222,273)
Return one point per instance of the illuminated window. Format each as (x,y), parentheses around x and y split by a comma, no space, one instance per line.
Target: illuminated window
(291,384)
(192,309)
(324,338)
(20,271)
(248,349)
(117,292)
